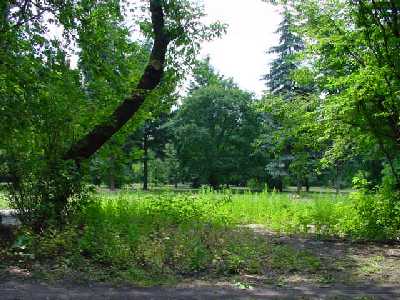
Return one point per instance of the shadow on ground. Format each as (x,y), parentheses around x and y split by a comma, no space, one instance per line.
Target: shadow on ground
(30,290)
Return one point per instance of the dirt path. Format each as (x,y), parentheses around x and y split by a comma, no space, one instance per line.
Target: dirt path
(31,290)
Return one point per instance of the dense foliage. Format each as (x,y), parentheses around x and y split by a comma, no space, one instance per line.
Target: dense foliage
(346,125)
(87,97)
(55,115)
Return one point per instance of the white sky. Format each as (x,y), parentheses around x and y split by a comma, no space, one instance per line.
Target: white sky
(241,52)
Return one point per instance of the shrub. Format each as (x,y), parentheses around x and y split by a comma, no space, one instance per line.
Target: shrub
(255,185)
(48,194)
(374,215)
(377,215)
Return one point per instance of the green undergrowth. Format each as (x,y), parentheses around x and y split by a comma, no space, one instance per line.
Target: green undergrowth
(320,214)
(152,239)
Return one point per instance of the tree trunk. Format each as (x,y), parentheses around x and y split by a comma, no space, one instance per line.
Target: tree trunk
(111,174)
(299,186)
(111,182)
(145,161)
(213,182)
(151,77)
(307,184)
(4,10)
(279,184)
(337,179)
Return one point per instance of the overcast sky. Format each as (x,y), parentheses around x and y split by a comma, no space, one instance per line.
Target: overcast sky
(241,52)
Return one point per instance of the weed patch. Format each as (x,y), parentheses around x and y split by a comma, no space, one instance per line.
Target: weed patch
(149,238)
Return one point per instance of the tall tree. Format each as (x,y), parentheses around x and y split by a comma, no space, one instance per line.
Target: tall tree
(152,137)
(288,157)
(215,128)
(151,77)
(354,52)
(279,80)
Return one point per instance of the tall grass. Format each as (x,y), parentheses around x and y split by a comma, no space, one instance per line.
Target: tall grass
(311,213)
(138,235)
(319,213)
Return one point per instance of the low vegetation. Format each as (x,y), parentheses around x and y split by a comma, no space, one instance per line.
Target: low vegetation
(158,237)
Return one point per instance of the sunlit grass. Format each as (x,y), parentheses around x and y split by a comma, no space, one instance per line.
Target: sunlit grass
(320,213)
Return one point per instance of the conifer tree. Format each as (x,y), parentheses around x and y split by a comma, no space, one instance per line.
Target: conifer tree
(278,80)
(288,156)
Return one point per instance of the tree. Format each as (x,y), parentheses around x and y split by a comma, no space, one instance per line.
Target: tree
(65,115)
(205,75)
(152,136)
(355,53)
(173,165)
(279,80)
(152,75)
(289,157)
(289,141)
(214,130)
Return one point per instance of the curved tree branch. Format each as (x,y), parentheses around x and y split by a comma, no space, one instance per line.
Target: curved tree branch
(151,77)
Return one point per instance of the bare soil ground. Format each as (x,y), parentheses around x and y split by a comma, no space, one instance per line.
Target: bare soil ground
(347,270)
(17,289)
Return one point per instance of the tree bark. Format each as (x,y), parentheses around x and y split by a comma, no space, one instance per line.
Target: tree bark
(213,182)
(112,182)
(145,161)
(151,77)
(299,186)
(337,181)
(279,184)
(111,174)
(307,184)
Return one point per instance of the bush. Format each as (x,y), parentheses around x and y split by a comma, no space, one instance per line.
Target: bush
(377,215)
(255,185)
(47,194)
(374,215)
